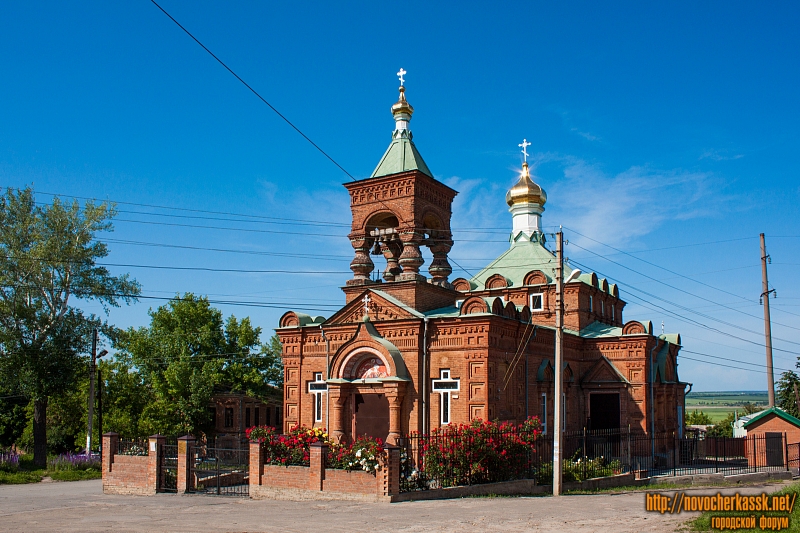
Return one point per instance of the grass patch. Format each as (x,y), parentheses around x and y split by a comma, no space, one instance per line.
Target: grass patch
(703,522)
(65,467)
(75,475)
(20,477)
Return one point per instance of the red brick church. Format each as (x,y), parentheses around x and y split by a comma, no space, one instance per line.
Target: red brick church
(410,353)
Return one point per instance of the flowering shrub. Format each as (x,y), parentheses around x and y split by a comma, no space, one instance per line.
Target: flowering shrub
(294,448)
(291,449)
(479,452)
(72,461)
(363,454)
(9,461)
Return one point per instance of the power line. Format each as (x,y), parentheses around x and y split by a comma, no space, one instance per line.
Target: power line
(289,122)
(696,322)
(677,274)
(690,294)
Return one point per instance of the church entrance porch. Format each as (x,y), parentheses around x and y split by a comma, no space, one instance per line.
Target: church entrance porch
(370,415)
(604,410)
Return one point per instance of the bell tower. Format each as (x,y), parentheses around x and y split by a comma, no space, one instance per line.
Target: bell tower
(396,211)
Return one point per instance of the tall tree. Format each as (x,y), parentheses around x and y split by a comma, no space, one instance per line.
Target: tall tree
(48,257)
(187,354)
(785,396)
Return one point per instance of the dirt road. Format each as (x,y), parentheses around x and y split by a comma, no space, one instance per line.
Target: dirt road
(82,507)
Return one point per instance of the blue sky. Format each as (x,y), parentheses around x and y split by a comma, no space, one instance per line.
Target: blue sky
(667,131)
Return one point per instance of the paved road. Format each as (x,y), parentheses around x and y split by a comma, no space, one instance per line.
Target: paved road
(81,506)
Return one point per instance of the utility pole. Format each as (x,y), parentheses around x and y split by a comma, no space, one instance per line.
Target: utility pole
(92,372)
(557,373)
(765,292)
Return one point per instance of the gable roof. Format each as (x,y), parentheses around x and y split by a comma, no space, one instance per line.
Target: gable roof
(776,411)
(383,306)
(604,371)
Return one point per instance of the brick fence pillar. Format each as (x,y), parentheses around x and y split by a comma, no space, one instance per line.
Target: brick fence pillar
(185,463)
(110,445)
(154,453)
(256,463)
(388,477)
(317,456)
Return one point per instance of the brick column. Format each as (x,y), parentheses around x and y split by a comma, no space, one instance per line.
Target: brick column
(110,445)
(256,463)
(388,477)
(316,474)
(394,393)
(154,453)
(440,268)
(338,397)
(362,264)
(411,258)
(185,464)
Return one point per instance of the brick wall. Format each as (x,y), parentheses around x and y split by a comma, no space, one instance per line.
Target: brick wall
(130,474)
(317,482)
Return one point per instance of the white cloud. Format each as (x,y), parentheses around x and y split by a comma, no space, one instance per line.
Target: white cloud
(719,155)
(617,209)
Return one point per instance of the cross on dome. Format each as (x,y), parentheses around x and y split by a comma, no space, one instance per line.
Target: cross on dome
(524,147)
(400,75)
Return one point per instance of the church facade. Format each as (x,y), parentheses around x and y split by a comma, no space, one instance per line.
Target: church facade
(409,353)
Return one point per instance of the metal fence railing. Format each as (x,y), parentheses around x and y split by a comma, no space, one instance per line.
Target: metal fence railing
(452,459)
(133,447)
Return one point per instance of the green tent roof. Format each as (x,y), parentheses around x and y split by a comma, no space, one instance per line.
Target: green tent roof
(523,256)
(401,156)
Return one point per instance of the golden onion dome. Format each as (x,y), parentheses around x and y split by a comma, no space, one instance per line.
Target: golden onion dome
(525,190)
(402,106)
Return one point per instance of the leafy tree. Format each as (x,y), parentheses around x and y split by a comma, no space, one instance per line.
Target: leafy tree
(785,397)
(186,355)
(12,416)
(125,395)
(723,428)
(698,418)
(48,260)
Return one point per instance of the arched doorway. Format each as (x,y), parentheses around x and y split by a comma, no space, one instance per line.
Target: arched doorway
(371,415)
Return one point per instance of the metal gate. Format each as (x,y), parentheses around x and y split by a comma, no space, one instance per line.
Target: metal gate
(168,468)
(222,471)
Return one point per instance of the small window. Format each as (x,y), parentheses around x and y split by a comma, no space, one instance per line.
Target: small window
(229,417)
(317,388)
(445,385)
(267,413)
(591,304)
(537,302)
(613,312)
(544,413)
(603,307)
(257,418)
(247,417)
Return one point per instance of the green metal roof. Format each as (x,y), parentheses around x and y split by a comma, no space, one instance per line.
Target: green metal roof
(597,330)
(523,256)
(777,411)
(401,156)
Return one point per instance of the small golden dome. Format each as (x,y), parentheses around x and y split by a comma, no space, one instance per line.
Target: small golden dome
(525,190)
(402,106)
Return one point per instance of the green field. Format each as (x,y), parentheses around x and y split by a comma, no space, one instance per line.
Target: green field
(718,405)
